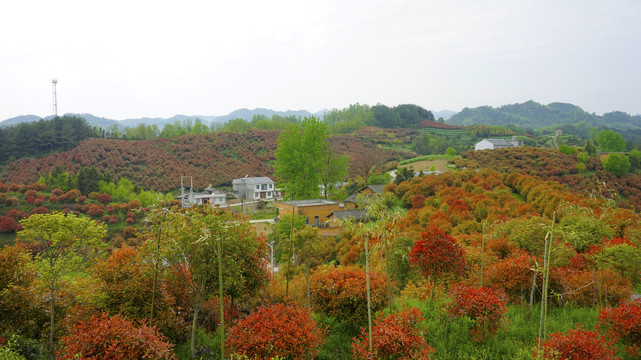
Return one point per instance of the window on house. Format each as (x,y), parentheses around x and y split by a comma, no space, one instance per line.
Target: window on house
(316,220)
(271,186)
(257,187)
(263,187)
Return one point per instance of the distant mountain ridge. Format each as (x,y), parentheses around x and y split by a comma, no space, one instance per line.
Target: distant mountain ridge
(532,115)
(104,123)
(445,114)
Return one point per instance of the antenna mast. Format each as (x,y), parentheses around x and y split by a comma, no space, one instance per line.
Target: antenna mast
(54,82)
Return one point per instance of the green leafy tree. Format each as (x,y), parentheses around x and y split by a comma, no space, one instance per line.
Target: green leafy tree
(67,241)
(218,251)
(352,118)
(334,171)
(19,308)
(404,174)
(617,164)
(608,140)
(301,157)
(59,178)
(87,180)
(589,148)
(386,117)
(635,160)
(199,128)
(450,151)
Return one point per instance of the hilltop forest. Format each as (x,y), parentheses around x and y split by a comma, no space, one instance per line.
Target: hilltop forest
(530,252)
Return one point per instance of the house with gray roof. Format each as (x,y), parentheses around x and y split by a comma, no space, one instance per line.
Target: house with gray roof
(209,196)
(491,144)
(254,188)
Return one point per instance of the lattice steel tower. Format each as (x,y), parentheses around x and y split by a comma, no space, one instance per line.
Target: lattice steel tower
(54,82)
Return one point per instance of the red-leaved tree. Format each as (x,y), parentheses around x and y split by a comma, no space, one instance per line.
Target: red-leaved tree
(485,306)
(576,344)
(623,325)
(394,336)
(283,330)
(437,254)
(104,337)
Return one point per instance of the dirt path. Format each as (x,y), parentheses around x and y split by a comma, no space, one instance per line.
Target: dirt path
(441,165)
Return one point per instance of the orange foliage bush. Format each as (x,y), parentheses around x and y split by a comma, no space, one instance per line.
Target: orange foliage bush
(581,287)
(512,275)
(340,292)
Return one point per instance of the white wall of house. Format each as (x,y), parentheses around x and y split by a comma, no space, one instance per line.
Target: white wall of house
(483,145)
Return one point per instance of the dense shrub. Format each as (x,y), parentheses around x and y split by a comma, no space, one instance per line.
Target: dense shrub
(485,306)
(8,224)
(394,336)
(576,344)
(105,337)
(623,325)
(340,292)
(104,198)
(283,330)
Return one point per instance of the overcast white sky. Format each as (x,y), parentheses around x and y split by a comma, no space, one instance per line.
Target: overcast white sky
(127,59)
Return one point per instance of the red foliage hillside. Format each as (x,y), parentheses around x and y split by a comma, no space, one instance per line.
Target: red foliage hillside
(551,164)
(157,164)
(437,125)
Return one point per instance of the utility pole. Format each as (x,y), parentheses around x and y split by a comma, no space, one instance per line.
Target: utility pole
(189,202)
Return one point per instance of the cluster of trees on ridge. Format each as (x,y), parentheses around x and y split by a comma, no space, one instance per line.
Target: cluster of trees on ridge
(43,137)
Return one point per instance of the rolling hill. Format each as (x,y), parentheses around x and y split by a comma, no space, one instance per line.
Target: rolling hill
(215,158)
(532,115)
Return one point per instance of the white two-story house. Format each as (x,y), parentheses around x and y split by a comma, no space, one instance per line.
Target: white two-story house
(254,188)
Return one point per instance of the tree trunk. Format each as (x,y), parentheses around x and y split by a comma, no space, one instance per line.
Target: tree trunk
(220,295)
(52,318)
(482,253)
(432,290)
(155,287)
(194,327)
(546,278)
(307,281)
(369,301)
(389,281)
(532,289)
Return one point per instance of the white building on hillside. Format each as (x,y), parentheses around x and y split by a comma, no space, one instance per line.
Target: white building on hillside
(490,144)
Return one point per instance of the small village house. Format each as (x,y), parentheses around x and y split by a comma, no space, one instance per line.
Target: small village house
(209,196)
(491,144)
(254,188)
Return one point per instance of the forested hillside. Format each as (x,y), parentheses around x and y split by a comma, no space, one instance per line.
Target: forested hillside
(533,116)
(43,137)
